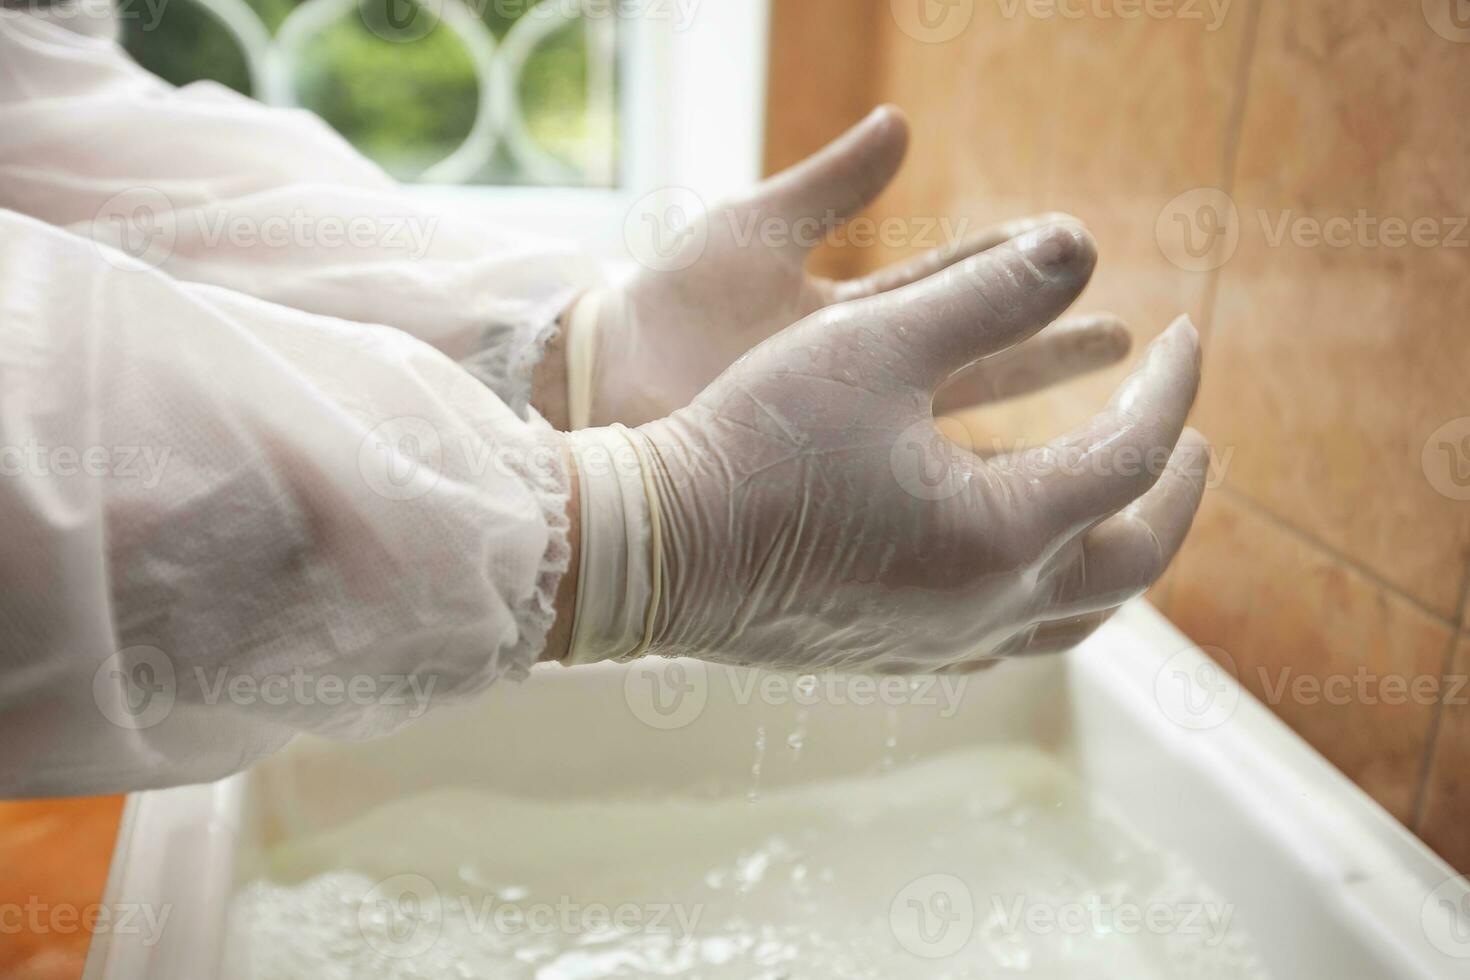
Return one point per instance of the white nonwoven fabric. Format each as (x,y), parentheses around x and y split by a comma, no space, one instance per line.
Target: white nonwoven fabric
(212,187)
(247,490)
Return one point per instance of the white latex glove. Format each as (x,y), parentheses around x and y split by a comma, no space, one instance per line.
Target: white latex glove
(657,340)
(801,522)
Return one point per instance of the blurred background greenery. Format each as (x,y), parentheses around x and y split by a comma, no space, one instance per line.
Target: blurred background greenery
(406,104)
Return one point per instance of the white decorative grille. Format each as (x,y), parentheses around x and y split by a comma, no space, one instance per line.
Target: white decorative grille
(273,61)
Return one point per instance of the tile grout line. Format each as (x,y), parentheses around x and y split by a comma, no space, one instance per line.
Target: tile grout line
(1457,618)
(1230,157)
(1416,813)
(1455,622)
(1261,510)
(1462,612)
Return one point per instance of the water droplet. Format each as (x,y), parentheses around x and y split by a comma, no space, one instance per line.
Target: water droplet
(890,737)
(797,738)
(755,767)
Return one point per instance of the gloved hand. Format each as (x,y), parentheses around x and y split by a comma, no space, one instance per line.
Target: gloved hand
(792,517)
(656,341)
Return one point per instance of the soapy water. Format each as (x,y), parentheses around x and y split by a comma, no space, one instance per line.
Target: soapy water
(983,864)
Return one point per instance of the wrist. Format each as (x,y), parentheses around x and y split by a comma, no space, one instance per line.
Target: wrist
(549,382)
(583,352)
(689,573)
(620,582)
(559,637)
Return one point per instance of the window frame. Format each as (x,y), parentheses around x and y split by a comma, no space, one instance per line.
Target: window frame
(691,114)
(691,111)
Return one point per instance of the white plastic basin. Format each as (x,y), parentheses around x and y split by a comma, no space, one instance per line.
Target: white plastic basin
(1326,883)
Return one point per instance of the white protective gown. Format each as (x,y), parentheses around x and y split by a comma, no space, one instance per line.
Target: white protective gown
(246,490)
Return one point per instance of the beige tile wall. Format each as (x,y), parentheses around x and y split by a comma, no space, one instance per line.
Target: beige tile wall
(1332,559)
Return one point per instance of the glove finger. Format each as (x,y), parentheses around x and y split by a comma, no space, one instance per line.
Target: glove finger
(1094,473)
(1064,634)
(939,259)
(1120,558)
(1065,350)
(843,178)
(1057,636)
(971,666)
(980,306)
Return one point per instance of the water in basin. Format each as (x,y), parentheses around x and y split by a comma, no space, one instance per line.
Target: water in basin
(987,863)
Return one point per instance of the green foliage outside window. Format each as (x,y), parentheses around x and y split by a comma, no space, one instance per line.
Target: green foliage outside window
(405,104)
